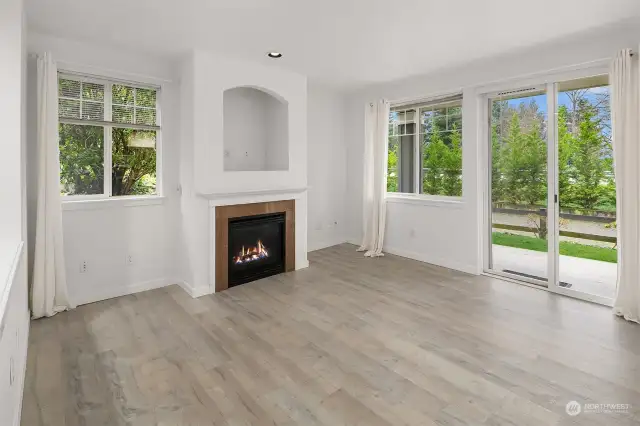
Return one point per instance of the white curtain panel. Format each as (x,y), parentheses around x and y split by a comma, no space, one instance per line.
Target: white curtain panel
(49,287)
(375,177)
(625,119)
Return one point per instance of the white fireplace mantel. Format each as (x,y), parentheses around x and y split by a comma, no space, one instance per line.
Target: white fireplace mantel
(237,196)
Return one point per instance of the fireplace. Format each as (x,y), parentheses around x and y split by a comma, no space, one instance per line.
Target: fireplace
(256,247)
(253,241)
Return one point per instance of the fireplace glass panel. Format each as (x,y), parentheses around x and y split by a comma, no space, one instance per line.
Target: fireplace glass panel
(256,247)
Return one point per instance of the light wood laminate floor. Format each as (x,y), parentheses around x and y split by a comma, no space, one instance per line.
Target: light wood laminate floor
(350,340)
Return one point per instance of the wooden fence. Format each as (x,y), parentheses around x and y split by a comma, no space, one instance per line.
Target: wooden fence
(580,235)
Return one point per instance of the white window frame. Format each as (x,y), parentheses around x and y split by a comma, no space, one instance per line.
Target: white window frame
(108,125)
(417,197)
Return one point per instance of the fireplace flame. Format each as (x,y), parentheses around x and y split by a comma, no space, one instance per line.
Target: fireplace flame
(251,254)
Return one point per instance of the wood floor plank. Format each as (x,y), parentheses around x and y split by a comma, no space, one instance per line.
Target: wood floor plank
(348,341)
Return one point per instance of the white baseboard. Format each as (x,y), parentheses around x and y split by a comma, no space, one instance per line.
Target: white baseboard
(110,293)
(433,260)
(302,265)
(320,244)
(194,292)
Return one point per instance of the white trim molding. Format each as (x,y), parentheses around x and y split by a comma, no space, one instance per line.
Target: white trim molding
(112,202)
(194,292)
(425,200)
(229,196)
(8,271)
(437,261)
(108,293)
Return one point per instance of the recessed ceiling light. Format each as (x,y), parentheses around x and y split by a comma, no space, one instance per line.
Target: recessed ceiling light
(274,55)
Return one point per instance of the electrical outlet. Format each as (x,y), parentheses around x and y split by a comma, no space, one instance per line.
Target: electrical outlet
(83,266)
(129,259)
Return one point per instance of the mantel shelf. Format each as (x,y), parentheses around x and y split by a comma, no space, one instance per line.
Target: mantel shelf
(221,195)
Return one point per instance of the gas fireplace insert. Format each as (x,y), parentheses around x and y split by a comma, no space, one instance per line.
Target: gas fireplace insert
(256,247)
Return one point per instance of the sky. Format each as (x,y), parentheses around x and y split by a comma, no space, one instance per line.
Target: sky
(563,99)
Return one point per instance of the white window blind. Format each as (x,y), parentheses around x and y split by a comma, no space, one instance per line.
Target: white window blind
(133,105)
(82,101)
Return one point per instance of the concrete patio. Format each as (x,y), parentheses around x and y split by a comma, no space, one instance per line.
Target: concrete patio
(584,275)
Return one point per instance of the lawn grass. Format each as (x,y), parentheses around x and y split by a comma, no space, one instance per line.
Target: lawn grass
(566,248)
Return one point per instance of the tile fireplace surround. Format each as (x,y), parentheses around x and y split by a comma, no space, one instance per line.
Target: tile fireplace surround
(222,216)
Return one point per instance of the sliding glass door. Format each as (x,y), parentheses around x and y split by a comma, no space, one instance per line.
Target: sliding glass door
(518,184)
(551,197)
(586,188)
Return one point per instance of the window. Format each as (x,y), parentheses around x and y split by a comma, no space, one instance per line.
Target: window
(425,148)
(108,133)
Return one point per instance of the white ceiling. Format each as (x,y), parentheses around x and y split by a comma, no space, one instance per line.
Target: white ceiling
(342,42)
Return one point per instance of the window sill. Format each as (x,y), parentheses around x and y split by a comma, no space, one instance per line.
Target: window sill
(426,200)
(113,202)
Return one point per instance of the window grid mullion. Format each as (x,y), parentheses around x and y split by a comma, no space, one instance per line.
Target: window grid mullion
(135,101)
(417,160)
(81,101)
(159,149)
(108,160)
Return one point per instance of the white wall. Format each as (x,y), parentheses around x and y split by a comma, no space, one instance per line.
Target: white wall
(278,135)
(11,73)
(14,313)
(192,248)
(255,131)
(327,167)
(449,234)
(104,233)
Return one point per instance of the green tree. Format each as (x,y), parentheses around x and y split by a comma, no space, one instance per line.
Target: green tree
(392,165)
(497,187)
(523,163)
(535,165)
(433,162)
(442,152)
(565,153)
(81,159)
(452,165)
(134,166)
(512,160)
(588,165)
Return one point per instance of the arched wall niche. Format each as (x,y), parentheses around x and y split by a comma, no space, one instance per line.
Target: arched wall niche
(255,130)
